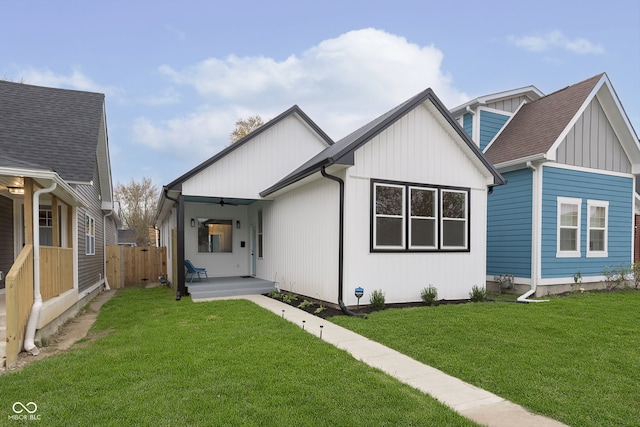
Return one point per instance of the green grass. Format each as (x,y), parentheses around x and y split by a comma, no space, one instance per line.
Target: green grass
(575,358)
(168,363)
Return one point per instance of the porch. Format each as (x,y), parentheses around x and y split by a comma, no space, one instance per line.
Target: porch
(217,287)
(3,330)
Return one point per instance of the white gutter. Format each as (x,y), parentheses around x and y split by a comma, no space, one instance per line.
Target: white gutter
(534,242)
(30,334)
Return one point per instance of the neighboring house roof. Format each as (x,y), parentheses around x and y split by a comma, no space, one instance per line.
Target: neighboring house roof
(535,128)
(530,92)
(177,183)
(342,151)
(54,129)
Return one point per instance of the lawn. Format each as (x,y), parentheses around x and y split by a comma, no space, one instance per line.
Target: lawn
(168,363)
(575,359)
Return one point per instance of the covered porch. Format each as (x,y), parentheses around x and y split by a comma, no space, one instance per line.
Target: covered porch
(219,287)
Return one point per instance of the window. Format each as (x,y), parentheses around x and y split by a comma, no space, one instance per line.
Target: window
(413,217)
(454,219)
(423,213)
(90,235)
(260,241)
(568,244)
(215,235)
(389,216)
(597,220)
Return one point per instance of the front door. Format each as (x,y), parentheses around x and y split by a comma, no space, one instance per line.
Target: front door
(254,249)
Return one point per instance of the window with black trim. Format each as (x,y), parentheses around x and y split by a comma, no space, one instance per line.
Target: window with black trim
(419,217)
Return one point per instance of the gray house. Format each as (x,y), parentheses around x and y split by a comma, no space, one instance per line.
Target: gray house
(56,209)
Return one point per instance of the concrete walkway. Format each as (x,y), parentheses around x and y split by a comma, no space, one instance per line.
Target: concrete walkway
(468,400)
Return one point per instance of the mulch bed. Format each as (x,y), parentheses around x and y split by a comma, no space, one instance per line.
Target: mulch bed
(312,306)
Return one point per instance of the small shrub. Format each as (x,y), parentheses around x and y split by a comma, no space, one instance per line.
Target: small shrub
(320,309)
(377,299)
(289,298)
(305,304)
(478,294)
(635,270)
(429,295)
(614,277)
(577,281)
(275,294)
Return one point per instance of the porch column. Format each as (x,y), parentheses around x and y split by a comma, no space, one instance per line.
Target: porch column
(182,289)
(55,223)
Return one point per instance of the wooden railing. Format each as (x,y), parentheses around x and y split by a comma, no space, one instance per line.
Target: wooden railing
(19,299)
(56,271)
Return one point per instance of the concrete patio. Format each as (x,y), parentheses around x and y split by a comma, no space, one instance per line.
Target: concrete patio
(219,287)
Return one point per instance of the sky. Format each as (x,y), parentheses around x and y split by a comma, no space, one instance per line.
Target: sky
(178,74)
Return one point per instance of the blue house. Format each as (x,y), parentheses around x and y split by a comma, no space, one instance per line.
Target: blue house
(570,159)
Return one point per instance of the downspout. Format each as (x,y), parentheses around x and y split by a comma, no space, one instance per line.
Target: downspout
(181,288)
(535,246)
(340,182)
(32,323)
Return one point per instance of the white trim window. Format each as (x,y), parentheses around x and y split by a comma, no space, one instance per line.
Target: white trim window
(90,235)
(389,219)
(568,234)
(454,219)
(597,228)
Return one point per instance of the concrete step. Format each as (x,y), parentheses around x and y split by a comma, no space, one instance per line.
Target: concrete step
(205,292)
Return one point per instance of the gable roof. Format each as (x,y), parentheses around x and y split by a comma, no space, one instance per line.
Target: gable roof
(55,129)
(530,92)
(536,127)
(342,151)
(177,183)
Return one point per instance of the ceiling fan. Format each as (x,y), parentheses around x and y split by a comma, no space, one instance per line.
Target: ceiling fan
(223,203)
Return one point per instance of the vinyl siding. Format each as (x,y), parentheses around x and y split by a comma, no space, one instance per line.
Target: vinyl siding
(592,143)
(490,125)
(509,226)
(617,190)
(259,163)
(467,124)
(419,150)
(6,237)
(510,105)
(90,267)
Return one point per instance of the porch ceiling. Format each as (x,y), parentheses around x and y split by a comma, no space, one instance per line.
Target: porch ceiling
(219,200)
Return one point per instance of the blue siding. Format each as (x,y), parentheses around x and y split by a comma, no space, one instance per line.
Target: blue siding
(490,125)
(467,124)
(586,185)
(509,226)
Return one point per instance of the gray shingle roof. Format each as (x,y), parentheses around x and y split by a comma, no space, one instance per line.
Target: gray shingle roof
(537,125)
(55,129)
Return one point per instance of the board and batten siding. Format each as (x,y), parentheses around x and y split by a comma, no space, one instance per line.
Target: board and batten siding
(259,163)
(490,125)
(300,238)
(90,267)
(509,222)
(585,185)
(510,104)
(415,149)
(592,143)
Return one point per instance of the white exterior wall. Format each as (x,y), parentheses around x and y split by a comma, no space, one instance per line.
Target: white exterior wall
(259,163)
(166,239)
(301,240)
(235,263)
(416,149)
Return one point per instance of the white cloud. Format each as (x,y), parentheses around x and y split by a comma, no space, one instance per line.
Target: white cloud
(557,39)
(76,80)
(164,97)
(342,83)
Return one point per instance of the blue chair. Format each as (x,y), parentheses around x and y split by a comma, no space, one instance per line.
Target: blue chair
(193,271)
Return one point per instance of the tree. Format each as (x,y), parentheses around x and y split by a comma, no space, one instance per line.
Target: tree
(244,127)
(137,205)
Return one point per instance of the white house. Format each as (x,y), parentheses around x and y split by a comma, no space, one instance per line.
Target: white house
(397,205)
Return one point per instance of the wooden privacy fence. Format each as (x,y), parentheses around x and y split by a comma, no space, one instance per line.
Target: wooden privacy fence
(135,266)
(19,299)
